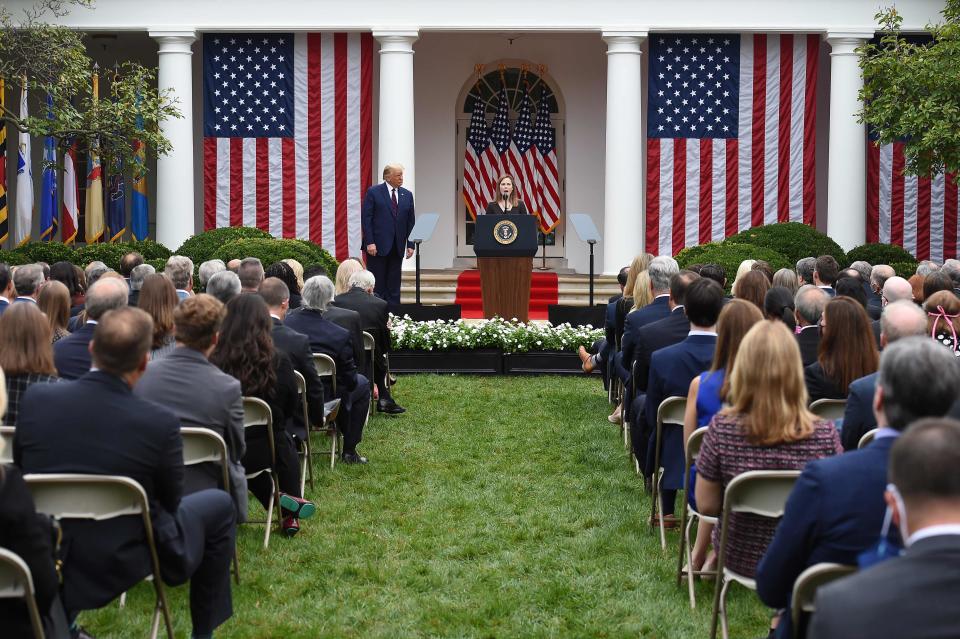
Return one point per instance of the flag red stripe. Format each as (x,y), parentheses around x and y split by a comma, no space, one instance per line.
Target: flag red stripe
(289,162)
(923,218)
(263,184)
(653,195)
(679,193)
(366,113)
(897,197)
(733,181)
(340,146)
(759,127)
(873,192)
(209,183)
(950,217)
(706,190)
(314,138)
(236,181)
(810,133)
(783,141)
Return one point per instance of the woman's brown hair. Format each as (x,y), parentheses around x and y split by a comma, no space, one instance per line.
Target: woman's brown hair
(848,349)
(943,313)
(54,301)
(25,341)
(514,198)
(753,287)
(159,298)
(736,319)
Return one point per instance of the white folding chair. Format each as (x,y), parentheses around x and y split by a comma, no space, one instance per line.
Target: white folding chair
(758,492)
(832,409)
(203,445)
(689,515)
(670,411)
(805,590)
(101,498)
(256,413)
(16,582)
(326,367)
(868,437)
(306,468)
(6,452)
(370,347)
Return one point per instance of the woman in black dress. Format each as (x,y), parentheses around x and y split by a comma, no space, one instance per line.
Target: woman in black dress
(507,201)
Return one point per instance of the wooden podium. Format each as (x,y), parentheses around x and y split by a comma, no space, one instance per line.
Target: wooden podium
(505,246)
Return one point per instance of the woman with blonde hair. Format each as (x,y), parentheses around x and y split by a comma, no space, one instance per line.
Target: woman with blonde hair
(159,299)
(508,201)
(787,278)
(642,293)
(297,270)
(347,268)
(639,264)
(54,301)
(26,354)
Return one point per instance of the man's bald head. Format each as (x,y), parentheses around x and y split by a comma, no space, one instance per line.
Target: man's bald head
(879,276)
(900,319)
(109,293)
(896,289)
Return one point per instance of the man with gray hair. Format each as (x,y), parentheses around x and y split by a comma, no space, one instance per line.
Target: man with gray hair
(900,319)
(93,271)
(28,280)
(180,271)
(952,269)
(808,306)
(805,268)
(878,277)
(207,270)
(325,337)
(224,286)
(926,267)
(837,507)
(386,218)
(71,355)
(250,272)
(137,275)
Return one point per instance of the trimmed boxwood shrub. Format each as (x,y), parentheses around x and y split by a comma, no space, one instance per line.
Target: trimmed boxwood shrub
(320,255)
(109,254)
(793,240)
(729,256)
(269,251)
(202,246)
(904,269)
(158,263)
(881,254)
(691,254)
(149,249)
(14,258)
(49,252)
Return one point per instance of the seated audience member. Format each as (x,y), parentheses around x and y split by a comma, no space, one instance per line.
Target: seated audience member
(836,509)
(952,269)
(847,350)
(158,299)
(935,282)
(374,318)
(714,272)
(128,262)
(825,273)
(26,354)
(71,354)
(766,427)
(54,302)
(245,350)
(900,319)
(642,297)
(172,383)
(7,290)
(28,280)
(224,286)
(926,267)
(708,391)
(207,270)
(312,271)
(72,277)
(250,273)
(943,319)
(297,268)
(137,276)
(752,286)
(347,268)
(671,371)
(745,267)
(916,287)
(600,351)
(805,267)
(878,277)
(233,265)
(778,305)
(764,267)
(852,288)
(112,432)
(326,337)
(94,271)
(895,289)
(350,320)
(297,347)
(786,278)
(283,272)
(180,271)
(913,595)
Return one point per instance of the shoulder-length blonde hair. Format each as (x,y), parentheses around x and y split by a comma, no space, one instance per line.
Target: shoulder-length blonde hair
(639,264)
(26,344)
(514,198)
(642,293)
(347,268)
(767,387)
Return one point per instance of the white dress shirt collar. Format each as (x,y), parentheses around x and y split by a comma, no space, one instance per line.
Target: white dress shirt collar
(934,531)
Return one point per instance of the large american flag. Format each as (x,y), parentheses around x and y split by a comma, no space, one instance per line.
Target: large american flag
(917,213)
(476,189)
(548,178)
(288,134)
(522,163)
(731,135)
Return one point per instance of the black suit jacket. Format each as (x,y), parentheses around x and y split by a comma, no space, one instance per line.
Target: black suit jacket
(350,320)
(71,355)
(875,327)
(819,386)
(96,425)
(666,332)
(330,339)
(373,314)
(809,341)
(297,347)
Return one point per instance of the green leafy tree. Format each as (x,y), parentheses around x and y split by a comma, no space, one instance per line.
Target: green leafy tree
(911,90)
(52,60)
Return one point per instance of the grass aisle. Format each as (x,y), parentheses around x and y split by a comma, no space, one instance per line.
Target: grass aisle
(496,507)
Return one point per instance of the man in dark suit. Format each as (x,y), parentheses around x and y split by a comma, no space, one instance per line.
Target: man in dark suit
(350,320)
(661,269)
(878,277)
(110,431)
(28,280)
(836,509)
(71,355)
(326,337)
(602,349)
(373,317)
(7,289)
(168,381)
(296,345)
(387,217)
(900,319)
(809,303)
(914,595)
(671,371)
(137,275)
(825,274)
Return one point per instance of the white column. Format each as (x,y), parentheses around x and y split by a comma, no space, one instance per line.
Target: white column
(175,178)
(846,186)
(395,142)
(623,223)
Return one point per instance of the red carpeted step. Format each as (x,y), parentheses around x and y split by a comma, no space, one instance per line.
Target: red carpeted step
(544,291)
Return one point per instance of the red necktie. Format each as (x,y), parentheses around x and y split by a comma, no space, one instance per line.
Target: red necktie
(393,203)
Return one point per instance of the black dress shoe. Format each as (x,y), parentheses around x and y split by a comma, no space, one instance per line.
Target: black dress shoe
(353,458)
(389,407)
(393,380)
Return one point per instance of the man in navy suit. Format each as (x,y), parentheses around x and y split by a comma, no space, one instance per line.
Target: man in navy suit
(836,509)
(96,425)
(671,371)
(825,274)
(71,355)
(7,290)
(661,269)
(809,303)
(387,218)
(28,280)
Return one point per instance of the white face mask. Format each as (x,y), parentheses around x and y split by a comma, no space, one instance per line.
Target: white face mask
(902,510)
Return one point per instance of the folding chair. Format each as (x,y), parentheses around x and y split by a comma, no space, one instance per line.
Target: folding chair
(370,347)
(101,498)
(670,411)
(805,589)
(759,492)
(202,445)
(256,413)
(832,409)
(326,367)
(689,515)
(867,438)
(6,452)
(306,467)
(16,582)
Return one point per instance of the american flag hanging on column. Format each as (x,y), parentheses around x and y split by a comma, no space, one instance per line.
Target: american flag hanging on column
(548,180)
(496,158)
(521,160)
(476,180)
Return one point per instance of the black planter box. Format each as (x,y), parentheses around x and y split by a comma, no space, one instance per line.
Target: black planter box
(539,362)
(484,362)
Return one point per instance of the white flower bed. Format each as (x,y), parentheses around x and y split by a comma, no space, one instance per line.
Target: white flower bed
(509,336)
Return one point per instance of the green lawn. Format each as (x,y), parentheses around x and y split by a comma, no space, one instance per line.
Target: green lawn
(495,507)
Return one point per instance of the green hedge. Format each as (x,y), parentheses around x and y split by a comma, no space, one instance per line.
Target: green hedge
(905,269)
(793,240)
(269,250)
(729,256)
(881,254)
(691,254)
(202,246)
